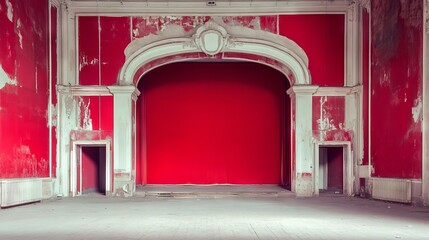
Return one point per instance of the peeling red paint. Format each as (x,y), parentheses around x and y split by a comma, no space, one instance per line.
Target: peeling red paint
(24,141)
(76,135)
(95,112)
(329,119)
(264,23)
(396,88)
(144,26)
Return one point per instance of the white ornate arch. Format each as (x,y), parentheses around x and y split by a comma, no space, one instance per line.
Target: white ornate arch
(215,41)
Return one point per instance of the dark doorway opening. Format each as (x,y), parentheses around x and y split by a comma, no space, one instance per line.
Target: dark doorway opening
(93,169)
(331,169)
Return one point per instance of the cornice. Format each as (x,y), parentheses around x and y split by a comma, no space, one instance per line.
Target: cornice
(254,7)
(84,90)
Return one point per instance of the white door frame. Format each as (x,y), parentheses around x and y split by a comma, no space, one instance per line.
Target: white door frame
(348,177)
(76,155)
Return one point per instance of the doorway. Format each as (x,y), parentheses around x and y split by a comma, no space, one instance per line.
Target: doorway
(333,168)
(90,168)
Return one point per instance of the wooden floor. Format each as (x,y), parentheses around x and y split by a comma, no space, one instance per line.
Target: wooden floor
(272,217)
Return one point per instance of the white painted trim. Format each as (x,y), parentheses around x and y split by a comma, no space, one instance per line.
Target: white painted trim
(254,7)
(77,145)
(302,104)
(337,91)
(348,177)
(175,42)
(55,3)
(123,131)
(369,91)
(352,43)
(82,90)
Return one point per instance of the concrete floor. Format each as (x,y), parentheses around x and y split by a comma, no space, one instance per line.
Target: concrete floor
(238,217)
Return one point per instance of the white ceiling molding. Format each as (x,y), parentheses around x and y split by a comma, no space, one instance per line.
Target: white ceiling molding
(273,50)
(192,7)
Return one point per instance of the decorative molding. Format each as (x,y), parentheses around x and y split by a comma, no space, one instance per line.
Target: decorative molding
(337,91)
(211,38)
(56,3)
(84,90)
(302,90)
(282,53)
(251,7)
(351,12)
(365,4)
(132,90)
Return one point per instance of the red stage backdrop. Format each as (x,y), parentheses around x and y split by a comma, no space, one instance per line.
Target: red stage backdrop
(207,123)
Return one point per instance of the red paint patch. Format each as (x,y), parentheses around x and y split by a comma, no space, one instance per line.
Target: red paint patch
(322,38)
(396,123)
(114,38)
(89,55)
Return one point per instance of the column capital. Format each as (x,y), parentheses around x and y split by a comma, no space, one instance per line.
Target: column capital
(300,90)
(132,90)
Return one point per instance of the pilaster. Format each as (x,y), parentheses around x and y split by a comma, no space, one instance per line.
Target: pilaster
(303,158)
(124,141)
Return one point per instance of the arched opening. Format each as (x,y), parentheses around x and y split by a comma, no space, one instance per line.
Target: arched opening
(213,122)
(214,42)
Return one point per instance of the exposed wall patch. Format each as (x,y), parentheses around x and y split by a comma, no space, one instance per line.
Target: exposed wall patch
(84,61)
(85,114)
(9,10)
(6,79)
(417,109)
(18,26)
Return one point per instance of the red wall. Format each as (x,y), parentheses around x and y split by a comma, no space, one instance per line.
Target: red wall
(24,89)
(213,123)
(322,38)
(102,41)
(396,88)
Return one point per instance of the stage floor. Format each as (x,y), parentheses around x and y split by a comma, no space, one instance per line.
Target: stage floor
(211,190)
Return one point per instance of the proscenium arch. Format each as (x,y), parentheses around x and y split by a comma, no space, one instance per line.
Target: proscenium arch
(237,43)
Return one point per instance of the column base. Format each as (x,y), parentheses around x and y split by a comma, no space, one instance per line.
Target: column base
(304,185)
(124,186)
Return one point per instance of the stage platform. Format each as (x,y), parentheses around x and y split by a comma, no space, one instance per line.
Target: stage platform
(211,191)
